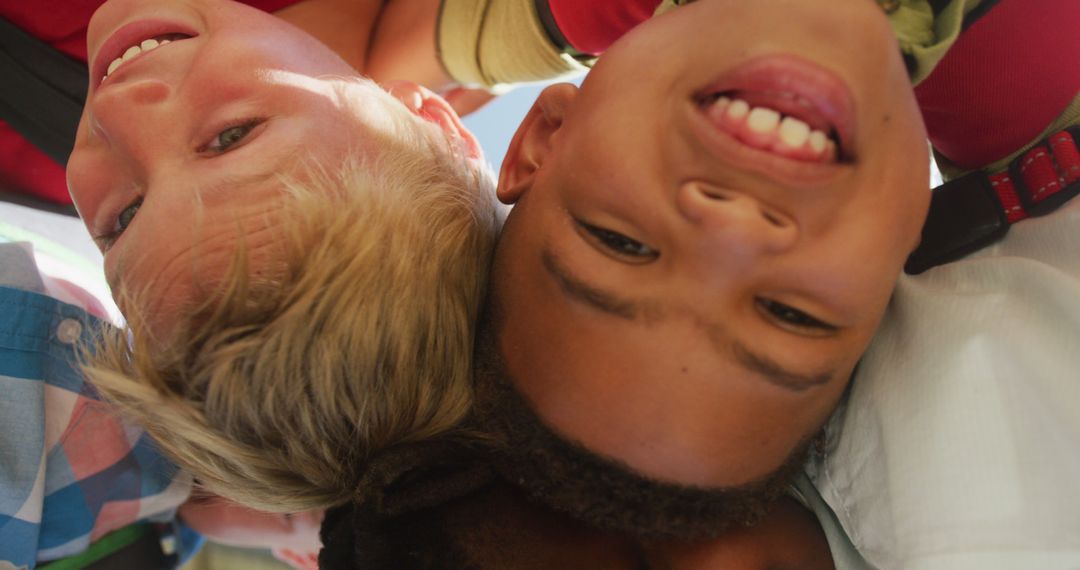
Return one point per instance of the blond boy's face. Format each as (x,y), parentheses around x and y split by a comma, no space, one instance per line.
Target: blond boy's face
(689,293)
(181,148)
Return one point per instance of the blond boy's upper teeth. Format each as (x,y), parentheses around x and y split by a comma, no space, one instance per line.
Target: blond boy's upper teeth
(135,51)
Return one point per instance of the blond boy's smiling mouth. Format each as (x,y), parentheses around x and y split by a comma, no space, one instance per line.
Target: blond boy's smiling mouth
(141,48)
(133,41)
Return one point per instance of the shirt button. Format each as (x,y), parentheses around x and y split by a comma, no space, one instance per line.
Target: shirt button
(69,331)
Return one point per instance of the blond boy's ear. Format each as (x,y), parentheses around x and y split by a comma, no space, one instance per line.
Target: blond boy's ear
(532,143)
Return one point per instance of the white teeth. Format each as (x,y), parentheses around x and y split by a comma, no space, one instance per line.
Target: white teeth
(763,120)
(134,51)
(738,109)
(793,132)
(131,53)
(767,128)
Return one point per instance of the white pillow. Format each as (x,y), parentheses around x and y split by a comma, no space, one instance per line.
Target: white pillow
(959,444)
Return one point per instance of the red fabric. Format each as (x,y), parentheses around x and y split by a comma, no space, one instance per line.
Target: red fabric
(1040,176)
(62,24)
(1045,170)
(1006,192)
(975,113)
(1067,156)
(24,168)
(593,25)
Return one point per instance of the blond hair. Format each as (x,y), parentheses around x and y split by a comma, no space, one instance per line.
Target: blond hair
(277,390)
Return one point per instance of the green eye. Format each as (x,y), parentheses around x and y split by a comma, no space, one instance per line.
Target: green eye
(123,220)
(127,215)
(230,137)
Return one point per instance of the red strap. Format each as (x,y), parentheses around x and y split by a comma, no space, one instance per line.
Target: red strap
(1044,171)
(1006,192)
(1039,175)
(1068,157)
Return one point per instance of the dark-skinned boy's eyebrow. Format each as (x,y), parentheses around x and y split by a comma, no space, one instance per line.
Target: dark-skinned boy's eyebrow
(776,374)
(576,288)
(726,344)
(628,309)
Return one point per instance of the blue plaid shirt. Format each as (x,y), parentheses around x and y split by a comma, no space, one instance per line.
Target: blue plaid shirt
(70,470)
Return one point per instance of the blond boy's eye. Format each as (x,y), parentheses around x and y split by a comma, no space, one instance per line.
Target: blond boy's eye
(127,215)
(230,137)
(123,220)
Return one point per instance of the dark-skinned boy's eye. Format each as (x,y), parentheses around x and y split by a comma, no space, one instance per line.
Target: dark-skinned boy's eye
(620,244)
(792,316)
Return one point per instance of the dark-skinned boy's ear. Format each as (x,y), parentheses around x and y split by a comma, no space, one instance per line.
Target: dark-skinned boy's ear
(532,143)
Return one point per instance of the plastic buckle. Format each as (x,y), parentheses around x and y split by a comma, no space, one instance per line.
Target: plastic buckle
(1050,203)
(965,216)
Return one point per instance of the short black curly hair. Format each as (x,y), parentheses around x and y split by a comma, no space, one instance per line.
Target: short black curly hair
(492,526)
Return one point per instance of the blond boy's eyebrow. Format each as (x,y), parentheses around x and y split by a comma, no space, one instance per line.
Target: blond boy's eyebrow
(754,362)
(225,185)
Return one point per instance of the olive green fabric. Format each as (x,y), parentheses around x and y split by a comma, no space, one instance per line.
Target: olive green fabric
(923,34)
(925,37)
(491,43)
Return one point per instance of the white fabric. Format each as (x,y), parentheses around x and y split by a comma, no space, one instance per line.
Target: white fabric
(959,444)
(844,554)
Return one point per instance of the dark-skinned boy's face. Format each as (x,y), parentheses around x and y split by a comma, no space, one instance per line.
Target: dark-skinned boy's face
(690,272)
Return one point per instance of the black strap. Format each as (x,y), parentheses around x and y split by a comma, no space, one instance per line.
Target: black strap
(967,214)
(42,93)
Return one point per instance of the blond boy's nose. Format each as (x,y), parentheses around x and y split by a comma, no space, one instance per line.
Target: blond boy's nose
(146,92)
(133,115)
(134,101)
(734,223)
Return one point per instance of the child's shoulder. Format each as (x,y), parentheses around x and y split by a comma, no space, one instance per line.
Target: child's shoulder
(73,471)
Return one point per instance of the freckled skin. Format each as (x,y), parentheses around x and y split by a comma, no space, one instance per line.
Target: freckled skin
(144,132)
